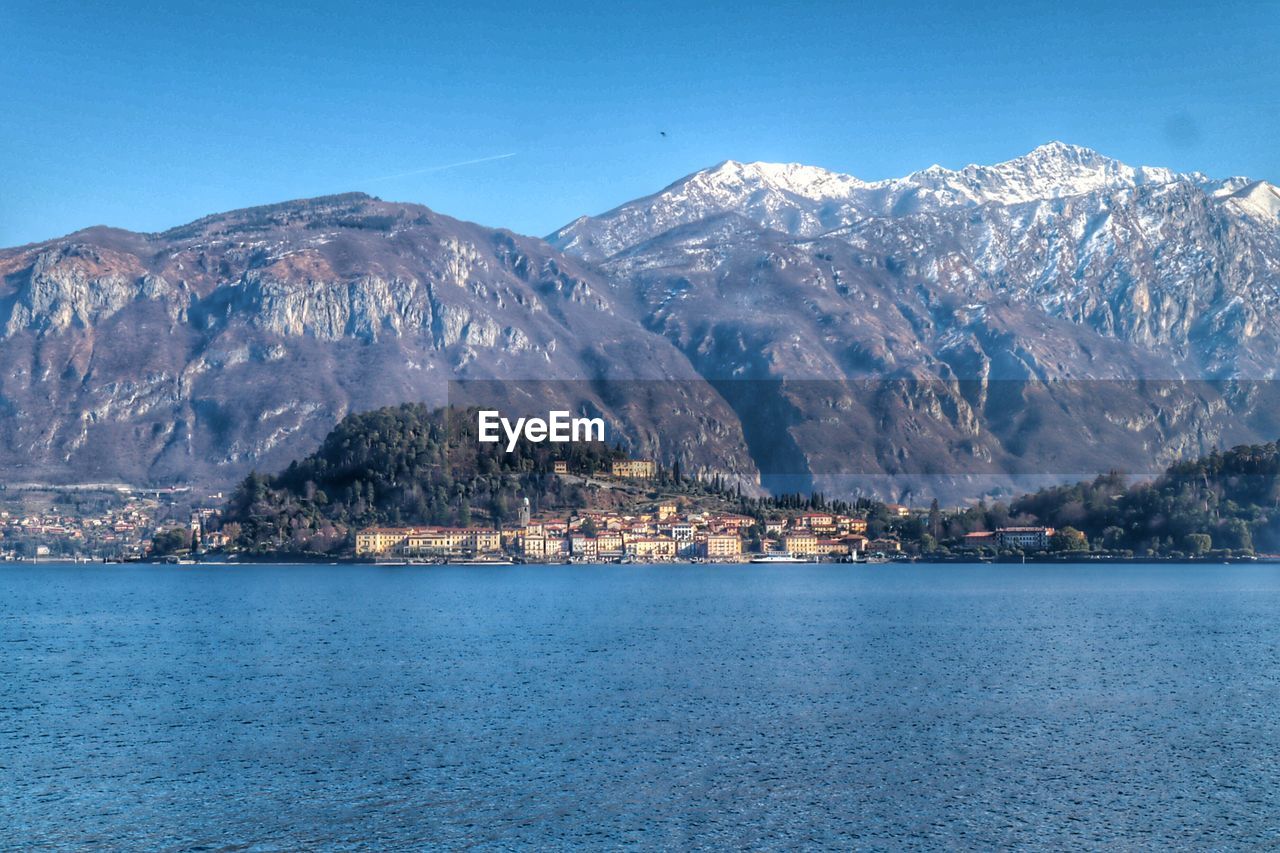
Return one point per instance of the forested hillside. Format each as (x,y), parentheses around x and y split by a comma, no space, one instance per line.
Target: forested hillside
(1226,499)
(411,464)
(404,465)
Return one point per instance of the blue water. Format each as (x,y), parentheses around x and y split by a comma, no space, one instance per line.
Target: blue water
(881,707)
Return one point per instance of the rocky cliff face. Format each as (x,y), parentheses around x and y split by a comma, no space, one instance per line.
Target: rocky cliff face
(237,341)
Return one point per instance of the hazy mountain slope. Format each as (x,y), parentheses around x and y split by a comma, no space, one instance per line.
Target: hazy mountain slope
(239,340)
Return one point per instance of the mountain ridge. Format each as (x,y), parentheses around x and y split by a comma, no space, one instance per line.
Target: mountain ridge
(237,339)
(234,341)
(1049,171)
(1058,268)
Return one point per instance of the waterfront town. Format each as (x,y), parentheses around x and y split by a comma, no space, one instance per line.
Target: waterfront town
(663,534)
(666,531)
(673,529)
(119,522)
(628,510)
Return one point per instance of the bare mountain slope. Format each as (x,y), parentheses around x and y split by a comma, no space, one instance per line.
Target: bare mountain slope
(238,340)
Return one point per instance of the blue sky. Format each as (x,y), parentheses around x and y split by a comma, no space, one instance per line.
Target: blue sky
(147,115)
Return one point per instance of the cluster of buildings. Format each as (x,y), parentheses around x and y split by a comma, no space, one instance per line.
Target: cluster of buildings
(623,469)
(1010,538)
(117,530)
(663,533)
(108,522)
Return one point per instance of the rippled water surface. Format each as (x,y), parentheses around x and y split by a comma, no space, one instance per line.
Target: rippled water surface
(287,707)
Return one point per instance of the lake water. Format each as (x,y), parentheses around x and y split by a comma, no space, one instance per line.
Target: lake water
(770,707)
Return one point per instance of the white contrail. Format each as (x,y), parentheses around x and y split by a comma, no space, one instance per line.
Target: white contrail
(428,170)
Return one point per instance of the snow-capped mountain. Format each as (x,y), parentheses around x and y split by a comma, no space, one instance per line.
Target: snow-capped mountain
(1062,268)
(1055,170)
(1257,199)
(806,200)
(1146,254)
(788,197)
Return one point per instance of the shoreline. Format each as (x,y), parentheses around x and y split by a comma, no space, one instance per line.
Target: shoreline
(312,559)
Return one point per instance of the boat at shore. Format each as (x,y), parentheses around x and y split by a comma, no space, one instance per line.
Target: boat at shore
(778,558)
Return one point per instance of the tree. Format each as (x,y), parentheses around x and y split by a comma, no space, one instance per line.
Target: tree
(1069,539)
(1198,543)
(1238,535)
(169,541)
(1113,537)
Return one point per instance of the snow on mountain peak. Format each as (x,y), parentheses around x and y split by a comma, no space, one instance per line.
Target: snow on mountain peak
(805,201)
(1053,170)
(809,182)
(783,196)
(1258,199)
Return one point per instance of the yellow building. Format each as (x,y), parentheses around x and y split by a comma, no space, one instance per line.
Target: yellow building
(609,542)
(853,525)
(438,541)
(835,547)
(800,544)
(417,541)
(485,540)
(721,546)
(666,511)
(651,548)
(533,547)
(380,541)
(560,466)
(642,469)
(544,547)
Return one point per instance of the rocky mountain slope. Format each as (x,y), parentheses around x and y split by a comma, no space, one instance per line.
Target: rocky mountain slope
(239,340)
(948,333)
(956,326)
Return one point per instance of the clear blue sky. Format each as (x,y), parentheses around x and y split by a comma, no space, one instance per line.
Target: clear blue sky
(146,115)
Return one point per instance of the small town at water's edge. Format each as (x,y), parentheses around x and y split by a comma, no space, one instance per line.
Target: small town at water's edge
(398,485)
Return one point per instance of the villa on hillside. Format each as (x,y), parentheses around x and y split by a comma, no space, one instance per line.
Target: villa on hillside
(637,469)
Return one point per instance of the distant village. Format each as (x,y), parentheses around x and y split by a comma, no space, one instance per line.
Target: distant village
(110,521)
(668,530)
(130,524)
